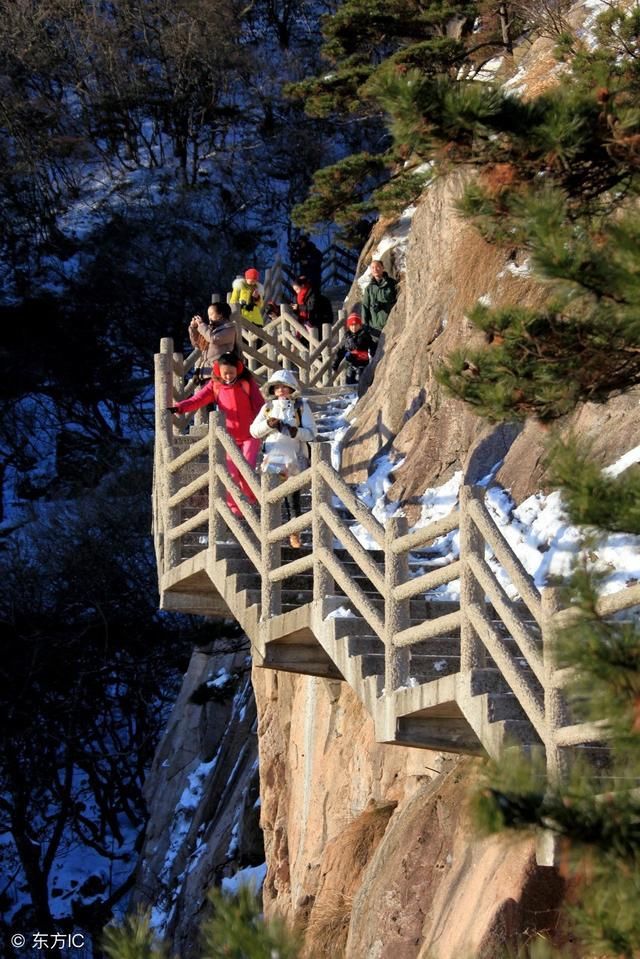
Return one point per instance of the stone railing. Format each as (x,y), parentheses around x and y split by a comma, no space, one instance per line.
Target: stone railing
(194,530)
(283,343)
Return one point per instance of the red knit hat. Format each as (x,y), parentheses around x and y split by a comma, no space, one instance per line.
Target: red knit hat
(350,319)
(251,275)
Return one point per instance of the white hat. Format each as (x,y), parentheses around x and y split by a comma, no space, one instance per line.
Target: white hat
(285,378)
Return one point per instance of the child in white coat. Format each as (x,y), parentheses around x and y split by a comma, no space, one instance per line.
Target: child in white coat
(286,425)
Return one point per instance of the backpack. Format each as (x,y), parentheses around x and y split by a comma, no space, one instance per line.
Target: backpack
(322,312)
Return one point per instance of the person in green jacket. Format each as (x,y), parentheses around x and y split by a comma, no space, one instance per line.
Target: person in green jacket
(378,298)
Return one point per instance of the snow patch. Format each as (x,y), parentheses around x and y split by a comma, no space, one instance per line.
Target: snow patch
(252,876)
(342,612)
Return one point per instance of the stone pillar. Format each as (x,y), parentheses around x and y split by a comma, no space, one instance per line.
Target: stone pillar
(554,704)
(471,593)
(326,353)
(271,553)
(216,492)
(396,615)
(323,583)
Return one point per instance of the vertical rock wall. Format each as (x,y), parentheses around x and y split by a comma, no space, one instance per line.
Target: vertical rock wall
(203,798)
(369,846)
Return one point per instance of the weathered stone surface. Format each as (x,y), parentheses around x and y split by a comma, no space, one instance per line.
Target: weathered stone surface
(448,268)
(607,429)
(202,795)
(320,769)
(374,841)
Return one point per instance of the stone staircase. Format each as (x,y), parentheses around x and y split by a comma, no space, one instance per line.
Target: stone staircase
(470,676)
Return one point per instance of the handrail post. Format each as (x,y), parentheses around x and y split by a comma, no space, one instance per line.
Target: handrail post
(340,378)
(216,454)
(554,703)
(323,582)
(326,353)
(163,449)
(177,370)
(312,342)
(471,593)
(165,397)
(270,552)
(286,362)
(397,611)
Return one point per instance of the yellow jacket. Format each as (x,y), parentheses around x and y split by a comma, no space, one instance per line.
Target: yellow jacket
(250,308)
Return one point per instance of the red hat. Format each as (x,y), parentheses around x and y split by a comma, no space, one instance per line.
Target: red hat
(251,275)
(350,319)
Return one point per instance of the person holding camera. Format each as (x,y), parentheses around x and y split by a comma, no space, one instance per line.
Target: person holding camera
(286,425)
(214,336)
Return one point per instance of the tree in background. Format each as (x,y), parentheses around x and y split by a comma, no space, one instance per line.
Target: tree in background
(89,671)
(558,177)
(112,112)
(372,47)
(146,154)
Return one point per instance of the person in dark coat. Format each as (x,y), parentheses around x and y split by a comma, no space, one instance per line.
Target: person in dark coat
(305,303)
(308,258)
(357,348)
(378,298)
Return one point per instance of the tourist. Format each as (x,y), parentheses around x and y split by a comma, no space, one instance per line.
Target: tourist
(357,347)
(286,425)
(236,393)
(378,298)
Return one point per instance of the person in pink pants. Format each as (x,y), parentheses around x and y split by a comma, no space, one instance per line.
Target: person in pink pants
(237,396)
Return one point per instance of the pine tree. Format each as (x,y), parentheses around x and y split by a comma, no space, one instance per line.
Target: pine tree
(134,939)
(237,930)
(368,44)
(580,226)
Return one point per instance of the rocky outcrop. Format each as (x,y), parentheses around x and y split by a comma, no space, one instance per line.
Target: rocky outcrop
(370,848)
(203,797)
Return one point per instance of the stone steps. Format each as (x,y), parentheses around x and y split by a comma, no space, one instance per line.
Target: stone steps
(346,647)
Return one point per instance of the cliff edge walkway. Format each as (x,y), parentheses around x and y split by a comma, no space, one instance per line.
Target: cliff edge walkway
(472,676)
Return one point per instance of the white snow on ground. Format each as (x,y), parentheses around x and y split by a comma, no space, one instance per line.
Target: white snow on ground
(252,876)
(438,501)
(334,422)
(538,530)
(180,825)
(488,71)
(342,612)
(586,32)
(525,269)
(373,494)
(633,456)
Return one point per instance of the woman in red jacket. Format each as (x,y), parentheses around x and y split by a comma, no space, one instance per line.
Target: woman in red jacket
(237,396)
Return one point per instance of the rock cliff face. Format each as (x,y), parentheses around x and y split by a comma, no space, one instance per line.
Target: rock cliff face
(368,846)
(203,797)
